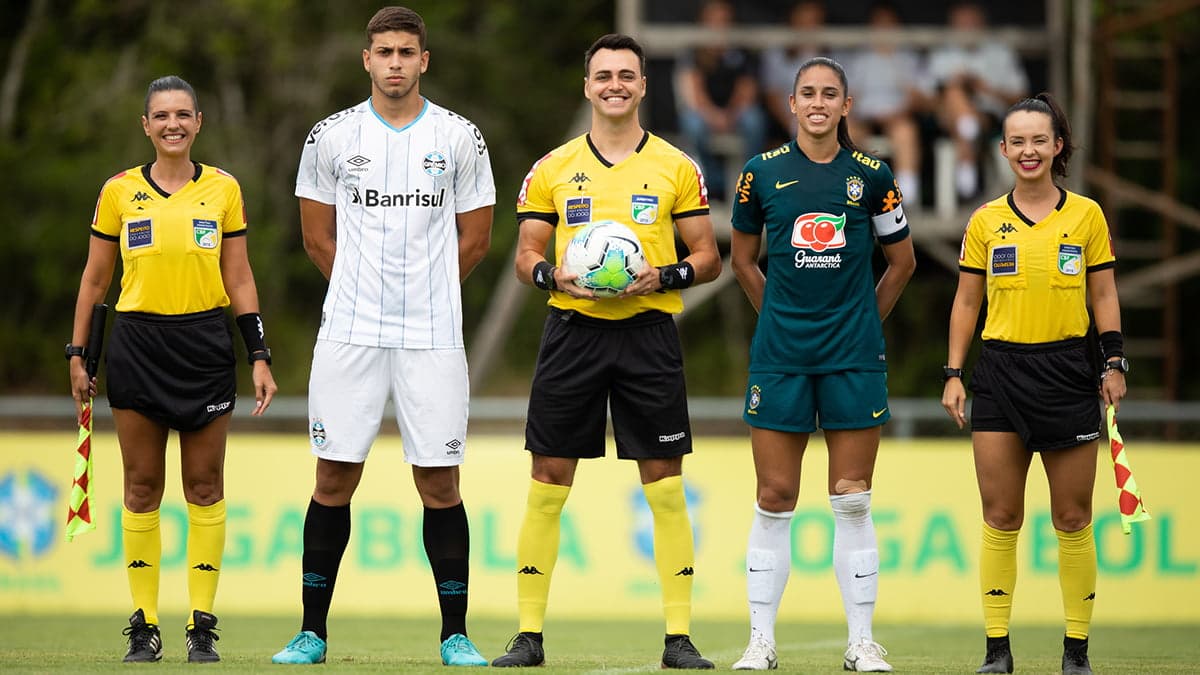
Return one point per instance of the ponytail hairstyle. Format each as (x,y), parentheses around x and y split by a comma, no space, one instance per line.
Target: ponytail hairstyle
(1046,104)
(170,83)
(843,128)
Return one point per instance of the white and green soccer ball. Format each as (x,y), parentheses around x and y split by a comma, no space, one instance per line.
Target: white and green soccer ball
(606,255)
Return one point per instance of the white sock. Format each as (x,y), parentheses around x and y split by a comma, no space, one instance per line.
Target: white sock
(966,179)
(910,187)
(768,562)
(855,560)
(968,127)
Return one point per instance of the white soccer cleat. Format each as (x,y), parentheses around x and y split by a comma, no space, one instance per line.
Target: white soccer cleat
(759,655)
(866,656)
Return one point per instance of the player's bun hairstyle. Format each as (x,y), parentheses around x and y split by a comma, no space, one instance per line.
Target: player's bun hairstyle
(400,19)
(1045,104)
(170,83)
(843,128)
(614,41)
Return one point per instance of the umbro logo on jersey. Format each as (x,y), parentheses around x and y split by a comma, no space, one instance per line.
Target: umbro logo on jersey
(138,564)
(454,444)
(579,177)
(685,572)
(1006,228)
(205,567)
(140,196)
(995,591)
(529,569)
(358,160)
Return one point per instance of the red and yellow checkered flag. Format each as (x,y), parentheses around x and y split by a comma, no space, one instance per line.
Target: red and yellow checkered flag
(79,511)
(1128,495)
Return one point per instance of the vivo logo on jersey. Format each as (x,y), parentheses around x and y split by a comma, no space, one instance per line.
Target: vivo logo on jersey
(416,198)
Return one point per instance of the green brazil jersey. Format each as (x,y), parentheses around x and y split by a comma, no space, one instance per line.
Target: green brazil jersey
(821,221)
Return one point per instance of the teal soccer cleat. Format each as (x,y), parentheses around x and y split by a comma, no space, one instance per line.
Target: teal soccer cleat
(306,647)
(458,650)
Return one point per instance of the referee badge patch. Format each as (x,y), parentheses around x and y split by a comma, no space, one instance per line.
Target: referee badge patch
(1004,260)
(139,233)
(204,232)
(1070,259)
(644,209)
(578,211)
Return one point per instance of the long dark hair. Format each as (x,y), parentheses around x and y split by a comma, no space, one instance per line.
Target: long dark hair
(843,128)
(1045,104)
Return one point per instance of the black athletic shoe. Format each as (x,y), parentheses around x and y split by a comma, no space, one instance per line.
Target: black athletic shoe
(145,644)
(999,656)
(524,650)
(681,653)
(200,638)
(1075,658)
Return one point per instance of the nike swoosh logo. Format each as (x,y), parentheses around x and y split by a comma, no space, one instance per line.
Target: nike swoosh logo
(877,414)
(899,218)
(765,569)
(864,576)
(780,186)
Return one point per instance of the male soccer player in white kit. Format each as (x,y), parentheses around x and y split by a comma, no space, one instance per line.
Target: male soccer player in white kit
(396,197)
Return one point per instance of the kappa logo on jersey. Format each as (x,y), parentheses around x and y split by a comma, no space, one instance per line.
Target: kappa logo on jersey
(204,233)
(578,210)
(414,198)
(755,399)
(139,233)
(434,163)
(317,433)
(579,177)
(1006,228)
(140,196)
(1004,261)
(854,188)
(1070,259)
(819,231)
(644,209)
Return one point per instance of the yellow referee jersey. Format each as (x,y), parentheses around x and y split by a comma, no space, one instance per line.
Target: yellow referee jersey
(1036,272)
(170,243)
(574,185)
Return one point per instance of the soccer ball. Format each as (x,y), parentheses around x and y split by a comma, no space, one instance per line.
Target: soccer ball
(606,255)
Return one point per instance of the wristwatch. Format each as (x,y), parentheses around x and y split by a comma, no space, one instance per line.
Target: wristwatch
(262,355)
(1120,364)
(948,372)
(73,350)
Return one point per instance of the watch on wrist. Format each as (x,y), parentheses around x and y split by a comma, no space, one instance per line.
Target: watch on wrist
(1120,364)
(263,355)
(948,372)
(73,350)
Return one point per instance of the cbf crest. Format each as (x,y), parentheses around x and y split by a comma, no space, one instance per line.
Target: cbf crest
(204,232)
(854,188)
(754,399)
(1070,259)
(644,209)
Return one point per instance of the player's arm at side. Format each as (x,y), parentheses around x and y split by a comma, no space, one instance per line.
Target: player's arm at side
(474,238)
(901,263)
(93,286)
(318,227)
(743,258)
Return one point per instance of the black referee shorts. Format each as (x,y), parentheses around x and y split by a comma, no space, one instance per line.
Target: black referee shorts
(586,365)
(1047,393)
(178,370)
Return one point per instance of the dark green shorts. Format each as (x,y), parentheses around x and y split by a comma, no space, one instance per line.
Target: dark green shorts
(845,400)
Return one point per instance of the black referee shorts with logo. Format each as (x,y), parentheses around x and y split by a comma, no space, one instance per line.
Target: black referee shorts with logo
(178,370)
(1047,393)
(587,365)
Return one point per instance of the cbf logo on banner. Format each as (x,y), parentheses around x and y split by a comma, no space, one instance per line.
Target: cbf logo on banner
(27,507)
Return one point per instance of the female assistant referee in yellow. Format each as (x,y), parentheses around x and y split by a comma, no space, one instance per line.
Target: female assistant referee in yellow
(1042,253)
(180,228)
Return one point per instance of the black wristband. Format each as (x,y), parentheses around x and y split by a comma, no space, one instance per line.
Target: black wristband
(251,326)
(678,275)
(1112,343)
(543,276)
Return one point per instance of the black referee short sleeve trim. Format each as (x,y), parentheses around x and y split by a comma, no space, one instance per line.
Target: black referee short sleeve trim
(551,218)
(971,270)
(690,214)
(1102,266)
(239,233)
(105,237)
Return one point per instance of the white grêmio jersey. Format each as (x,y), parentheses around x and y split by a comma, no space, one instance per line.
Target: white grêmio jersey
(396,192)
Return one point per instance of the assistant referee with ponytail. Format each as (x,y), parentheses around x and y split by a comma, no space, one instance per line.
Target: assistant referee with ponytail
(179,227)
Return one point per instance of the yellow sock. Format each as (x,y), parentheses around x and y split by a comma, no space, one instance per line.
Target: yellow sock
(205,544)
(537,551)
(674,553)
(997,578)
(142,543)
(1077,578)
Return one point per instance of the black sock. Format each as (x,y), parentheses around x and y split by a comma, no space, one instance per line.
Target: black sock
(326,533)
(447,544)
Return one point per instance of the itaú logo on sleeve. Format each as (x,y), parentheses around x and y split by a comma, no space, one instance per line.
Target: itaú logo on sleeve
(414,198)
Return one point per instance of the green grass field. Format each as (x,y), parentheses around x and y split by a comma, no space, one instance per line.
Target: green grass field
(387,644)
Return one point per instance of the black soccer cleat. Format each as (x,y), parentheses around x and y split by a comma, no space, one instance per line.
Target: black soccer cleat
(200,638)
(145,643)
(682,654)
(1075,657)
(999,656)
(524,651)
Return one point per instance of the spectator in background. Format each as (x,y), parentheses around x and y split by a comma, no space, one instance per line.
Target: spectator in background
(718,94)
(975,80)
(780,64)
(886,95)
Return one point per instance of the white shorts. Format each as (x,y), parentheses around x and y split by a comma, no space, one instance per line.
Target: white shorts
(350,385)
